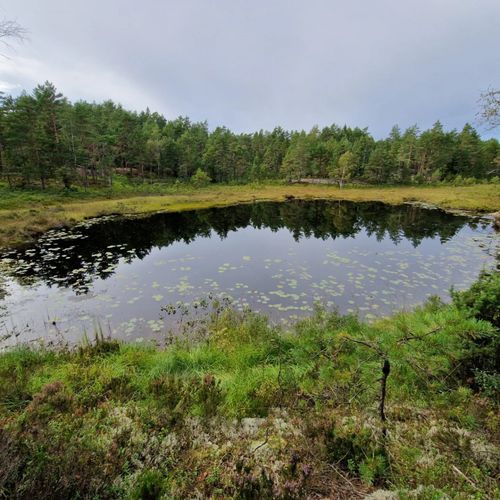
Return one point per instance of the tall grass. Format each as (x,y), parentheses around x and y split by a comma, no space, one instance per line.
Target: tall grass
(159,419)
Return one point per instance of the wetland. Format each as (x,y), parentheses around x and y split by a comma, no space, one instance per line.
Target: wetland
(140,277)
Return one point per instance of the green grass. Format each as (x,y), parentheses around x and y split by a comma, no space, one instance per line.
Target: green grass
(24,214)
(11,198)
(254,410)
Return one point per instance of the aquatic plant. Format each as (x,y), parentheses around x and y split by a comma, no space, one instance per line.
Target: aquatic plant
(256,410)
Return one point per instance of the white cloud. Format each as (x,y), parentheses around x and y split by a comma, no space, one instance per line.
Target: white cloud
(78,81)
(252,65)
(9,87)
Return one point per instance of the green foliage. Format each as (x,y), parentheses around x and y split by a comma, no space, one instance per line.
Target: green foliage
(130,421)
(488,383)
(352,444)
(482,299)
(297,159)
(150,485)
(47,140)
(479,363)
(200,179)
(345,167)
(16,368)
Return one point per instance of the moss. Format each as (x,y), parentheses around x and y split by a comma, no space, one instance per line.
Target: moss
(254,411)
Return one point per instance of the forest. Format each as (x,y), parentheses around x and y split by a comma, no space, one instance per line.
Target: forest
(193,310)
(47,140)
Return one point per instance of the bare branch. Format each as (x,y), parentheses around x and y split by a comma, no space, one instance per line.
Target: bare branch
(418,337)
(11,31)
(367,344)
(489,114)
(461,474)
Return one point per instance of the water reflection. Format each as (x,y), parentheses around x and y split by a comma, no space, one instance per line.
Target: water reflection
(278,258)
(75,258)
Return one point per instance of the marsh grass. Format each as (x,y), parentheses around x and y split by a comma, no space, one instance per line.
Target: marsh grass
(24,214)
(252,410)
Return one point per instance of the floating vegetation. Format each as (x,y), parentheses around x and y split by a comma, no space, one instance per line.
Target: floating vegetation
(115,270)
(226,267)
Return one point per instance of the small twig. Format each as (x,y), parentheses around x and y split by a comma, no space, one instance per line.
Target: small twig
(342,475)
(457,366)
(417,368)
(367,344)
(386,369)
(460,473)
(264,442)
(354,396)
(11,30)
(418,337)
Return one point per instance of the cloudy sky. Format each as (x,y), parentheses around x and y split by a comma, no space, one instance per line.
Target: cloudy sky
(252,64)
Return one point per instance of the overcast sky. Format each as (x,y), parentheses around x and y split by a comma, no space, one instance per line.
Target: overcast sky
(252,64)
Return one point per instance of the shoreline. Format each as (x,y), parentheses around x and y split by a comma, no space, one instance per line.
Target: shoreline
(251,394)
(28,218)
(248,406)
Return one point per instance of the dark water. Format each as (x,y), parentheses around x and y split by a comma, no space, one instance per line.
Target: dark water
(278,258)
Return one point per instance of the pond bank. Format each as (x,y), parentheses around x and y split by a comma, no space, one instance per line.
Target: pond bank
(277,258)
(253,411)
(24,215)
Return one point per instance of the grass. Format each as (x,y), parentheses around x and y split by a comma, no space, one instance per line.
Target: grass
(251,410)
(255,411)
(26,213)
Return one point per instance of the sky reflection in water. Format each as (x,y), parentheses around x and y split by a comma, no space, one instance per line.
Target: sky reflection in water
(278,258)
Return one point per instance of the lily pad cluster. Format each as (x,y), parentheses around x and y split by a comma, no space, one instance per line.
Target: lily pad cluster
(117,273)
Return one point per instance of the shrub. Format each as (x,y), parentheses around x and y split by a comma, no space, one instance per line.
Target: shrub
(171,392)
(489,384)
(480,360)
(354,445)
(150,486)
(482,299)
(200,179)
(53,398)
(209,396)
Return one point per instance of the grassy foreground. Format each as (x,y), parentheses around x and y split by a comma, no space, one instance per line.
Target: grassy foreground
(253,411)
(24,213)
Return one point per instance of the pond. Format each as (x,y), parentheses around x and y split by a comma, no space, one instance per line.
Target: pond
(117,273)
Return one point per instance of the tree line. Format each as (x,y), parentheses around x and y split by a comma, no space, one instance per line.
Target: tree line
(46,139)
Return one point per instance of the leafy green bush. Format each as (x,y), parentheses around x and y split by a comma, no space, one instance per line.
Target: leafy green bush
(479,363)
(489,383)
(354,445)
(482,299)
(150,486)
(200,179)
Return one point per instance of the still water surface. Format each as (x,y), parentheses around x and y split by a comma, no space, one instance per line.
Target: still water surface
(279,258)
